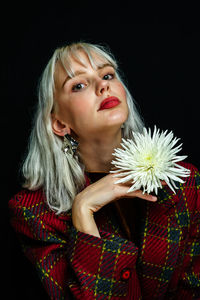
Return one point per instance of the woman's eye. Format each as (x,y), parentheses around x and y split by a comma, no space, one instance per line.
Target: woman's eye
(108,76)
(78,87)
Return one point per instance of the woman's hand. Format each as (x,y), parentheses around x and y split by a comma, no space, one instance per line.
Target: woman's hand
(97,195)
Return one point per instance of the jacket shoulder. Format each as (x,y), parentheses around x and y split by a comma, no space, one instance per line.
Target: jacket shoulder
(188,165)
(189,191)
(28,199)
(194,178)
(33,204)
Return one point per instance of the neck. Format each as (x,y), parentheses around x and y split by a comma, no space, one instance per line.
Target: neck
(96,153)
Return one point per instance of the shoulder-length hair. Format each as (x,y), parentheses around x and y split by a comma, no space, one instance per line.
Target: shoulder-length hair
(46,166)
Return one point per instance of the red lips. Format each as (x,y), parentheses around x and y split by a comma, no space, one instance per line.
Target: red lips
(109,103)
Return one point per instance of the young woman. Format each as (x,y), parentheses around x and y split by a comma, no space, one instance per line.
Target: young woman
(86,236)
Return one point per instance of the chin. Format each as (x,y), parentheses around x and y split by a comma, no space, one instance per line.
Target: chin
(118,117)
(115,124)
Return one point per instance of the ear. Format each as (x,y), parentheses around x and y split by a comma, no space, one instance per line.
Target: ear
(60,128)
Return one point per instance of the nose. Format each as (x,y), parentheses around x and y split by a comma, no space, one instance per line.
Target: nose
(102,87)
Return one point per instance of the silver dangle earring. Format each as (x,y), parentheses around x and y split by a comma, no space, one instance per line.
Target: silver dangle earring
(69,145)
(122,126)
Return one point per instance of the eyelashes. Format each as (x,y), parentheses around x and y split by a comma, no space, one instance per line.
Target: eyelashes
(81,85)
(108,76)
(78,87)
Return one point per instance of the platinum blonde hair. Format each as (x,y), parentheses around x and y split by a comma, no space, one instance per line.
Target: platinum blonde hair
(46,166)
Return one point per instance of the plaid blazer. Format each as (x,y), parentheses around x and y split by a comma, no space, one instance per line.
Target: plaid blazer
(165,264)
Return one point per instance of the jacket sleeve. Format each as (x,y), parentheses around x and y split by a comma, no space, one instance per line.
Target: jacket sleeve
(189,282)
(71,264)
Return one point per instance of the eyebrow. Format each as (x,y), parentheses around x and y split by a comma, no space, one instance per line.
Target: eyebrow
(79,72)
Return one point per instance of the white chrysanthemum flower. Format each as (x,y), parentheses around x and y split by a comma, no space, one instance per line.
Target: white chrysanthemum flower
(149,159)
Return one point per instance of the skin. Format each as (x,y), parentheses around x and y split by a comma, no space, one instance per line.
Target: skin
(76,112)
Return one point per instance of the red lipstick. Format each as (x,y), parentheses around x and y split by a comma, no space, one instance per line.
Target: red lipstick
(109,103)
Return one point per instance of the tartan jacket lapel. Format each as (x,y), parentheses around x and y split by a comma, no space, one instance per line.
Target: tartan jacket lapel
(159,246)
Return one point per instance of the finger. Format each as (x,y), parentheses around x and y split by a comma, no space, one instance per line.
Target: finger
(163,182)
(144,196)
(122,191)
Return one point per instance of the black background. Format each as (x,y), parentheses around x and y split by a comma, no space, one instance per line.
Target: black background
(159,60)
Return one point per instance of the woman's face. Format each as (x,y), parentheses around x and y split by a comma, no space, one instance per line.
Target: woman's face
(78,99)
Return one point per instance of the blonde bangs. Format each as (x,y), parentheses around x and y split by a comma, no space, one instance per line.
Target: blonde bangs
(72,52)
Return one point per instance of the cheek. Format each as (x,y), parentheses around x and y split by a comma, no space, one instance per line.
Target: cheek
(76,112)
(79,108)
(121,90)
(69,108)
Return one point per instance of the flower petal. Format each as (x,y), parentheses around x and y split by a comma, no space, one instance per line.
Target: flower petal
(148,159)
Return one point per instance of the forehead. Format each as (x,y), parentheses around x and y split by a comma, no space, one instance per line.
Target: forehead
(68,64)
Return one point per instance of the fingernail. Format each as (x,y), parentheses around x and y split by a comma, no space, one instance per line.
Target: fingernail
(154,198)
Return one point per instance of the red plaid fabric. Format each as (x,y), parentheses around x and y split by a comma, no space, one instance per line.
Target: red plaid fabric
(165,264)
